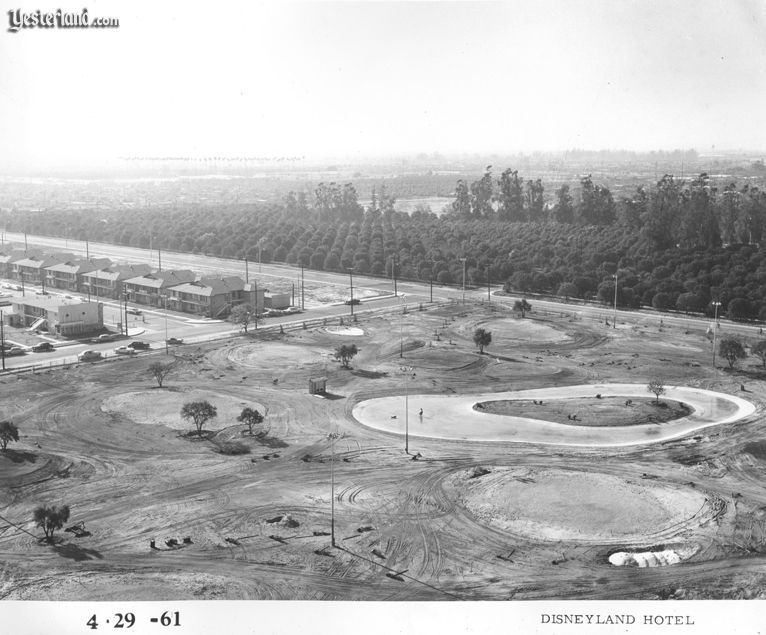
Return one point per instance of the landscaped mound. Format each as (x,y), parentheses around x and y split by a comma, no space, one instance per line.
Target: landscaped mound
(163,407)
(589,411)
(276,355)
(551,504)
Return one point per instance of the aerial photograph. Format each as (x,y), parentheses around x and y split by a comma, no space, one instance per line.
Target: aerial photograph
(371,305)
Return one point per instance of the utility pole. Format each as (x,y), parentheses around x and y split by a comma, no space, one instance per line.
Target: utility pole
(431,282)
(159,257)
(463,260)
(165,298)
(26,248)
(2,339)
(716,304)
(489,296)
(351,287)
(614,317)
(247,273)
(87,250)
(303,297)
(125,294)
(393,272)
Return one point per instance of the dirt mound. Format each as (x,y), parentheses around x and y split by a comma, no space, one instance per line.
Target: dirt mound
(550,504)
(162,407)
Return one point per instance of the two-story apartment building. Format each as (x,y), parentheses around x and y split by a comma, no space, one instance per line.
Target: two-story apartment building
(108,282)
(213,297)
(31,270)
(151,288)
(9,256)
(68,275)
(58,315)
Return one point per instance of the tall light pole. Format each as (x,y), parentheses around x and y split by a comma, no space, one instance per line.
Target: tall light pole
(489,295)
(716,304)
(463,261)
(614,317)
(407,370)
(332,436)
(393,272)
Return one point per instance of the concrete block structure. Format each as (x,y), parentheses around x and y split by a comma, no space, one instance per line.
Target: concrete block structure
(59,316)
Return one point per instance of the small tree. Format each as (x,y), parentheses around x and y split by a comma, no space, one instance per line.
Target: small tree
(482,338)
(759,349)
(49,519)
(199,412)
(250,417)
(8,433)
(568,289)
(731,350)
(522,306)
(160,371)
(243,314)
(345,353)
(657,386)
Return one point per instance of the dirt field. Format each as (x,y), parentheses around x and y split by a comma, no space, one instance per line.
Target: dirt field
(481,519)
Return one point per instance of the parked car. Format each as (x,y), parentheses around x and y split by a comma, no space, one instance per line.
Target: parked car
(42,347)
(125,350)
(106,337)
(134,311)
(89,356)
(139,346)
(174,340)
(14,350)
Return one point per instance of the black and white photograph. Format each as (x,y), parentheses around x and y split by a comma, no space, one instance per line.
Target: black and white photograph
(383,316)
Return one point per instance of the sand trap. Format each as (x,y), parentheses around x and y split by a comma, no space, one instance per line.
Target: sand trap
(552,504)
(454,417)
(162,407)
(524,330)
(661,558)
(276,355)
(346,331)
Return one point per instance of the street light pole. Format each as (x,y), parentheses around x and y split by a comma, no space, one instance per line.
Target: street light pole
(2,339)
(401,328)
(332,436)
(489,296)
(715,328)
(393,272)
(614,317)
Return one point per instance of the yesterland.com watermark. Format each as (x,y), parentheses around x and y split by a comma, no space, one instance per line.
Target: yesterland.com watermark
(18,19)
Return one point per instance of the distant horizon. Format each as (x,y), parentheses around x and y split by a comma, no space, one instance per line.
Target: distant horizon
(361,80)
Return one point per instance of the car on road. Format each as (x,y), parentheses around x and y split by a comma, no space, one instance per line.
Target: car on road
(89,356)
(139,346)
(135,311)
(43,347)
(106,337)
(174,340)
(125,350)
(14,350)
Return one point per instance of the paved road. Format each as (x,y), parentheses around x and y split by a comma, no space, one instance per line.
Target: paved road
(379,291)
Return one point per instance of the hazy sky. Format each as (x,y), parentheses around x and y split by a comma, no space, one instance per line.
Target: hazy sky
(325,78)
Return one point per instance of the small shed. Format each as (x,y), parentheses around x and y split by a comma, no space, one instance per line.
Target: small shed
(317,385)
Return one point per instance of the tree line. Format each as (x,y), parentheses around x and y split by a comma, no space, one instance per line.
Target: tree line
(679,244)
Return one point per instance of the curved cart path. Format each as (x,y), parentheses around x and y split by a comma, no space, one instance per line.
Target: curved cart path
(453,416)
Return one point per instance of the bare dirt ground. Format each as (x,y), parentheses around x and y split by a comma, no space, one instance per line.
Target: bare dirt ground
(482,520)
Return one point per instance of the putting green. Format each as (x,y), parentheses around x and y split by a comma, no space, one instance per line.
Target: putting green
(454,416)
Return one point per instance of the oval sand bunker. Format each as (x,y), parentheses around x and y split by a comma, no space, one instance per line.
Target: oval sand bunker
(161,407)
(347,331)
(275,355)
(552,504)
